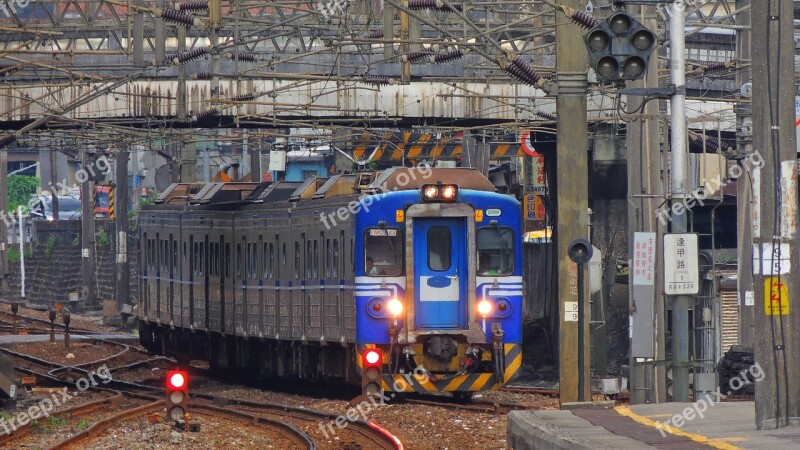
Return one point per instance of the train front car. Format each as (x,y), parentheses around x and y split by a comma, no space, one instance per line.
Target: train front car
(438,284)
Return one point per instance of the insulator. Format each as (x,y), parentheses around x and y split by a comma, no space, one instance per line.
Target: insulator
(192,5)
(250,57)
(431,4)
(377,34)
(418,56)
(523,72)
(201,76)
(377,80)
(715,67)
(6,140)
(449,56)
(244,97)
(178,17)
(195,53)
(546,115)
(207,113)
(583,19)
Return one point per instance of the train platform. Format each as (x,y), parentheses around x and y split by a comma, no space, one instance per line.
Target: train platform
(724,426)
(127,338)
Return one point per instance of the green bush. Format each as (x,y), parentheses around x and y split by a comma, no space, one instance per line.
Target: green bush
(50,246)
(20,188)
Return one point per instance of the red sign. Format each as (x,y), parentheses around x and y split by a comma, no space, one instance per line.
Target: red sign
(527,145)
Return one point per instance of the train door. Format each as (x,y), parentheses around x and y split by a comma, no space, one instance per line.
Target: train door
(440,273)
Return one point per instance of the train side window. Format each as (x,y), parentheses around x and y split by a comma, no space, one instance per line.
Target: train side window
(439,248)
(335,258)
(175,257)
(184,251)
(495,247)
(328,259)
(316,259)
(227,259)
(252,261)
(266,263)
(238,260)
(296,260)
(202,248)
(309,261)
(383,252)
(353,255)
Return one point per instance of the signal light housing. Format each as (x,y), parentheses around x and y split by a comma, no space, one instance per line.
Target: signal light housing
(619,48)
(177,395)
(439,192)
(371,371)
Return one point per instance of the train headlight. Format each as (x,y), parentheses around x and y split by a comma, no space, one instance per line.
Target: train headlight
(430,192)
(484,308)
(449,192)
(395,307)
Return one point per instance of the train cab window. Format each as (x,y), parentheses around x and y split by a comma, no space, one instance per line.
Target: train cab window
(383,252)
(495,250)
(439,248)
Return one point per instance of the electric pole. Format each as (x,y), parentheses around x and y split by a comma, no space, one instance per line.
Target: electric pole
(645,194)
(572,186)
(680,303)
(3,221)
(88,263)
(54,181)
(744,193)
(123,279)
(775,281)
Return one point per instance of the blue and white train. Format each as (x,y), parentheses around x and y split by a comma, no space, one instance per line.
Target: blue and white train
(408,279)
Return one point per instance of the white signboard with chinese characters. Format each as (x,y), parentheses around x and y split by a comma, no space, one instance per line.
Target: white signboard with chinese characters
(644,254)
(681,274)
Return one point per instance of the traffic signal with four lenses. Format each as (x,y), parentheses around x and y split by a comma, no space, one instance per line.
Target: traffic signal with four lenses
(177,394)
(371,371)
(619,48)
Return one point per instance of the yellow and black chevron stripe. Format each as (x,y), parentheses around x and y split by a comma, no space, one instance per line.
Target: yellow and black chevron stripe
(462,383)
(394,146)
(111,202)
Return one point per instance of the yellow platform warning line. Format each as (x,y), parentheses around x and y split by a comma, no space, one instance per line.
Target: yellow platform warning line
(716,443)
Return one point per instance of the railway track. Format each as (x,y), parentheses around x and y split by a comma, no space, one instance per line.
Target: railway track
(476,405)
(294,427)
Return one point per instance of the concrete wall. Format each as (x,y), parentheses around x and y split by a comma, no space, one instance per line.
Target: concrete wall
(53,263)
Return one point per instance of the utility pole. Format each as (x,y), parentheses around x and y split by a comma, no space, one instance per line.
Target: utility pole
(680,303)
(572,187)
(645,194)
(88,263)
(4,221)
(744,193)
(123,280)
(775,280)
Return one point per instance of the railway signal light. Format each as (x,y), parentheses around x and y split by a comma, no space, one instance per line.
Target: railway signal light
(177,394)
(619,48)
(371,371)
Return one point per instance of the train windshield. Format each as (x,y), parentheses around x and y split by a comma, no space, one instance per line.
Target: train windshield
(383,252)
(495,250)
